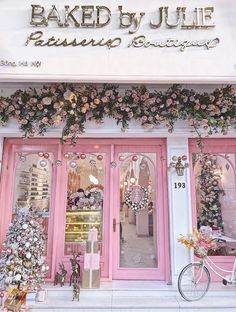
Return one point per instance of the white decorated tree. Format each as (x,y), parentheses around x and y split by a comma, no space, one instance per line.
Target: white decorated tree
(210,193)
(22,259)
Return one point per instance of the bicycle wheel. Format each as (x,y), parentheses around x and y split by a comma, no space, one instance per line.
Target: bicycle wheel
(194,281)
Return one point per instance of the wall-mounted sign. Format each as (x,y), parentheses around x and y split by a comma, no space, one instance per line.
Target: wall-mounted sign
(150,41)
(90,16)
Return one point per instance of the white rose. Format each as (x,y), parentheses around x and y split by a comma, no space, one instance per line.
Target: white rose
(28,255)
(25,226)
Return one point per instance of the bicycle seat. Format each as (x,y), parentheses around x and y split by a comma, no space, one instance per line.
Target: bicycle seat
(232,252)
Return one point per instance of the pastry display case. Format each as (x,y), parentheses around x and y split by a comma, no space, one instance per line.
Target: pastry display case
(78,224)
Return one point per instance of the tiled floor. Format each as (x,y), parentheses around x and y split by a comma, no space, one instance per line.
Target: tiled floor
(136,252)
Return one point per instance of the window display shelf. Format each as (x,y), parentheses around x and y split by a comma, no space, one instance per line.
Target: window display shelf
(81,211)
(79,222)
(74,223)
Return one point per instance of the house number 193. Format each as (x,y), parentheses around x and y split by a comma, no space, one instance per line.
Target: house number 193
(179,185)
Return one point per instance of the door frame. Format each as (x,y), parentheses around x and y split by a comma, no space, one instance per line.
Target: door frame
(59,180)
(162,272)
(211,145)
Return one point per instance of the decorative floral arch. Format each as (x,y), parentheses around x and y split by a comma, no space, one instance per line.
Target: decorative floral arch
(37,110)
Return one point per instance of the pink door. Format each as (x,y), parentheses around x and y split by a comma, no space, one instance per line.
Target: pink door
(140,214)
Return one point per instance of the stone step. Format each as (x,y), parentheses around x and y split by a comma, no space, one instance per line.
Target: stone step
(131,297)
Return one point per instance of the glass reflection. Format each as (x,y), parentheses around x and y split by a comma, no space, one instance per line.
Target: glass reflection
(84,209)
(216,198)
(33,184)
(138,232)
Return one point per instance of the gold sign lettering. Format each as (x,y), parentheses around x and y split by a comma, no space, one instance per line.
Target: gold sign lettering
(90,16)
(69,15)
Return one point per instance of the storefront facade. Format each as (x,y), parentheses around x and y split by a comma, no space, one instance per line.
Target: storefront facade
(124,183)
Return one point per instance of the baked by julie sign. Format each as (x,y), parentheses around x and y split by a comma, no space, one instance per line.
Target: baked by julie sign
(99,16)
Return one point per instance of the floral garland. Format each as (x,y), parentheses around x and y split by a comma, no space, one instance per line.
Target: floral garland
(38,110)
(136,198)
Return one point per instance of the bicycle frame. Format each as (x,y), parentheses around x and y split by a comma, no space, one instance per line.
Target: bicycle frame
(207,262)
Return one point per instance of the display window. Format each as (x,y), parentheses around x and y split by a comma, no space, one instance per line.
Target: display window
(214,174)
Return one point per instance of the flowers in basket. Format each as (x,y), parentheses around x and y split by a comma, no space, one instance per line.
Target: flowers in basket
(200,242)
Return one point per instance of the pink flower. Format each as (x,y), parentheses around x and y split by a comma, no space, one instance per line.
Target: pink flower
(40,106)
(56,105)
(83,110)
(169,102)
(11,108)
(108,92)
(212,98)
(96,101)
(45,120)
(192,98)
(33,100)
(84,99)
(105,99)
(144,118)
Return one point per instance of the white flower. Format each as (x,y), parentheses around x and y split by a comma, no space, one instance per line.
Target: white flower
(47,101)
(27,245)
(25,226)
(28,255)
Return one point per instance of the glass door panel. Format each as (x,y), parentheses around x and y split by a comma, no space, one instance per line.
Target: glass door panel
(33,176)
(138,232)
(85,194)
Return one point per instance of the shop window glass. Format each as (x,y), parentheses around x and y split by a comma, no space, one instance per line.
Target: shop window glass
(216,197)
(33,177)
(138,228)
(85,193)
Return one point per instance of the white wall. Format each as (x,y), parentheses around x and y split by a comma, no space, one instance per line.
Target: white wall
(121,64)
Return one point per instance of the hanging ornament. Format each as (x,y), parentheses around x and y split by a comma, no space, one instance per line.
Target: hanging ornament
(22,158)
(73,164)
(113,164)
(43,163)
(58,163)
(135,158)
(137,198)
(99,157)
(46,155)
(174,158)
(66,155)
(82,156)
(184,157)
(92,162)
(40,154)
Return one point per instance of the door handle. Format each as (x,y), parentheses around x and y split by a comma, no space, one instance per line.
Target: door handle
(114,225)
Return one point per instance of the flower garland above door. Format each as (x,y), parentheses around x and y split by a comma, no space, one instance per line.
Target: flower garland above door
(37,110)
